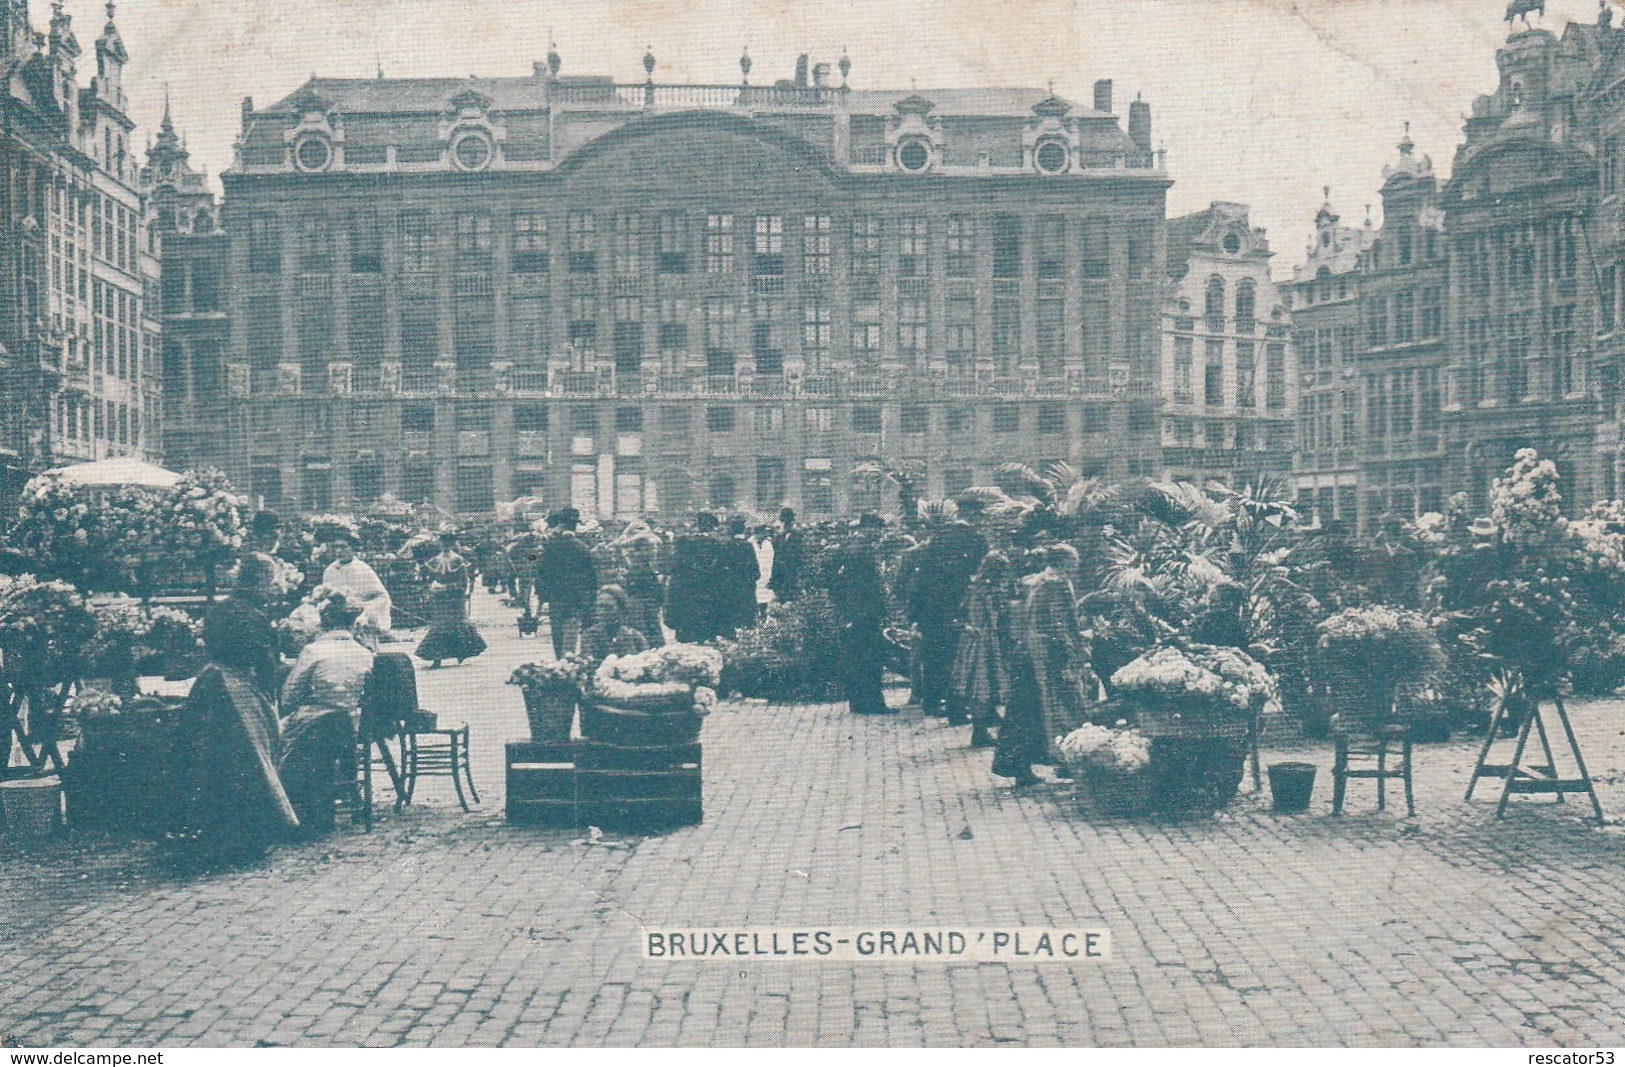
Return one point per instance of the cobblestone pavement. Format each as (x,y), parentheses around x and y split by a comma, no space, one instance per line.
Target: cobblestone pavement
(447,929)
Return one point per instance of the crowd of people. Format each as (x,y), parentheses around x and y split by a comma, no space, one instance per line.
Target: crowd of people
(987,633)
(983,625)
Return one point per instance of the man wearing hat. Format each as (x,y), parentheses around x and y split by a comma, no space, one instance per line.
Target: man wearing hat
(566,580)
(936,603)
(699,606)
(858,596)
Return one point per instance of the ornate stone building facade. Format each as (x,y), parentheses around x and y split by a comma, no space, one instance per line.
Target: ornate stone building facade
(1229,376)
(1324,299)
(78,375)
(1401,370)
(1523,280)
(183,218)
(642,298)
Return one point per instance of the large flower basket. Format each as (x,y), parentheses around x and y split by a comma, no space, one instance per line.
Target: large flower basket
(551,710)
(652,723)
(1115,794)
(1177,719)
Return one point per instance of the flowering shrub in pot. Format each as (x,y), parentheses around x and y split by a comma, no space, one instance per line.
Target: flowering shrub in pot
(1185,689)
(1116,763)
(551,691)
(1367,653)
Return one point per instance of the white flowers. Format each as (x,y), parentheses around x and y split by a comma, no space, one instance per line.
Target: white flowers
(1124,749)
(1201,671)
(689,665)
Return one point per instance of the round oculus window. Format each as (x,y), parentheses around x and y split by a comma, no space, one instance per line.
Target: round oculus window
(1232,244)
(1051,157)
(471,151)
(313,153)
(913,156)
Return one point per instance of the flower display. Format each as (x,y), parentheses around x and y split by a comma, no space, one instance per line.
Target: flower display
(1121,748)
(1204,673)
(92,537)
(203,517)
(90,705)
(568,672)
(1526,506)
(44,628)
(682,664)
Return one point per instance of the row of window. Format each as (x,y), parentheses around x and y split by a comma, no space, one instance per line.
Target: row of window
(722,333)
(635,492)
(1185,432)
(630,244)
(1245,368)
(85,419)
(1246,304)
(678,419)
(1403,317)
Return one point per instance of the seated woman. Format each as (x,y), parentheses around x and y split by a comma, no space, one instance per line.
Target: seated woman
(321,704)
(609,635)
(234,801)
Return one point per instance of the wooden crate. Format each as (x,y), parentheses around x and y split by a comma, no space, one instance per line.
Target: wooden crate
(542,785)
(639,789)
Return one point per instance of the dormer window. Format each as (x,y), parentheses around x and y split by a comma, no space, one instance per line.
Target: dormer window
(1051,156)
(914,156)
(1231,245)
(312,154)
(471,151)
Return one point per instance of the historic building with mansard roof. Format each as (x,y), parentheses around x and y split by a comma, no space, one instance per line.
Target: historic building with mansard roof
(642,298)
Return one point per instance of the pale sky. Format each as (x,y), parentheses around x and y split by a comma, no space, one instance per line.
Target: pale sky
(1257,101)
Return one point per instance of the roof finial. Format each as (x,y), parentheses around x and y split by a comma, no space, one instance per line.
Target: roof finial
(1605,14)
(845,64)
(167,125)
(1406,145)
(649,62)
(553,60)
(1049,87)
(1326,193)
(111,9)
(744,64)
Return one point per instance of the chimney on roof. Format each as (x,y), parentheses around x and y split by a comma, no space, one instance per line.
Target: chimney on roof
(248,109)
(820,75)
(801,70)
(1103,96)
(1139,124)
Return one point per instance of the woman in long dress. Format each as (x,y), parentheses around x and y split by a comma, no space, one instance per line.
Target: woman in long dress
(451,635)
(234,803)
(981,672)
(321,705)
(1052,689)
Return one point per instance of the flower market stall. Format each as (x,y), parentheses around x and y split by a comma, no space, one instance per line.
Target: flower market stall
(636,765)
(1197,705)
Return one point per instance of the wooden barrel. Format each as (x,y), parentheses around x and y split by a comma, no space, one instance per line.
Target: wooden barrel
(616,725)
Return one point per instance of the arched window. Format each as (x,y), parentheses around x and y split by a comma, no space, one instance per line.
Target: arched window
(1215,303)
(1246,304)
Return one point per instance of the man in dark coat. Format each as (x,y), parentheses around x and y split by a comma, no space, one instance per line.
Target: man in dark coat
(698,607)
(566,580)
(936,604)
(789,550)
(858,596)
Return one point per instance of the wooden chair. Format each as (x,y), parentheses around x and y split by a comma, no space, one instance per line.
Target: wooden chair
(1371,744)
(427,746)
